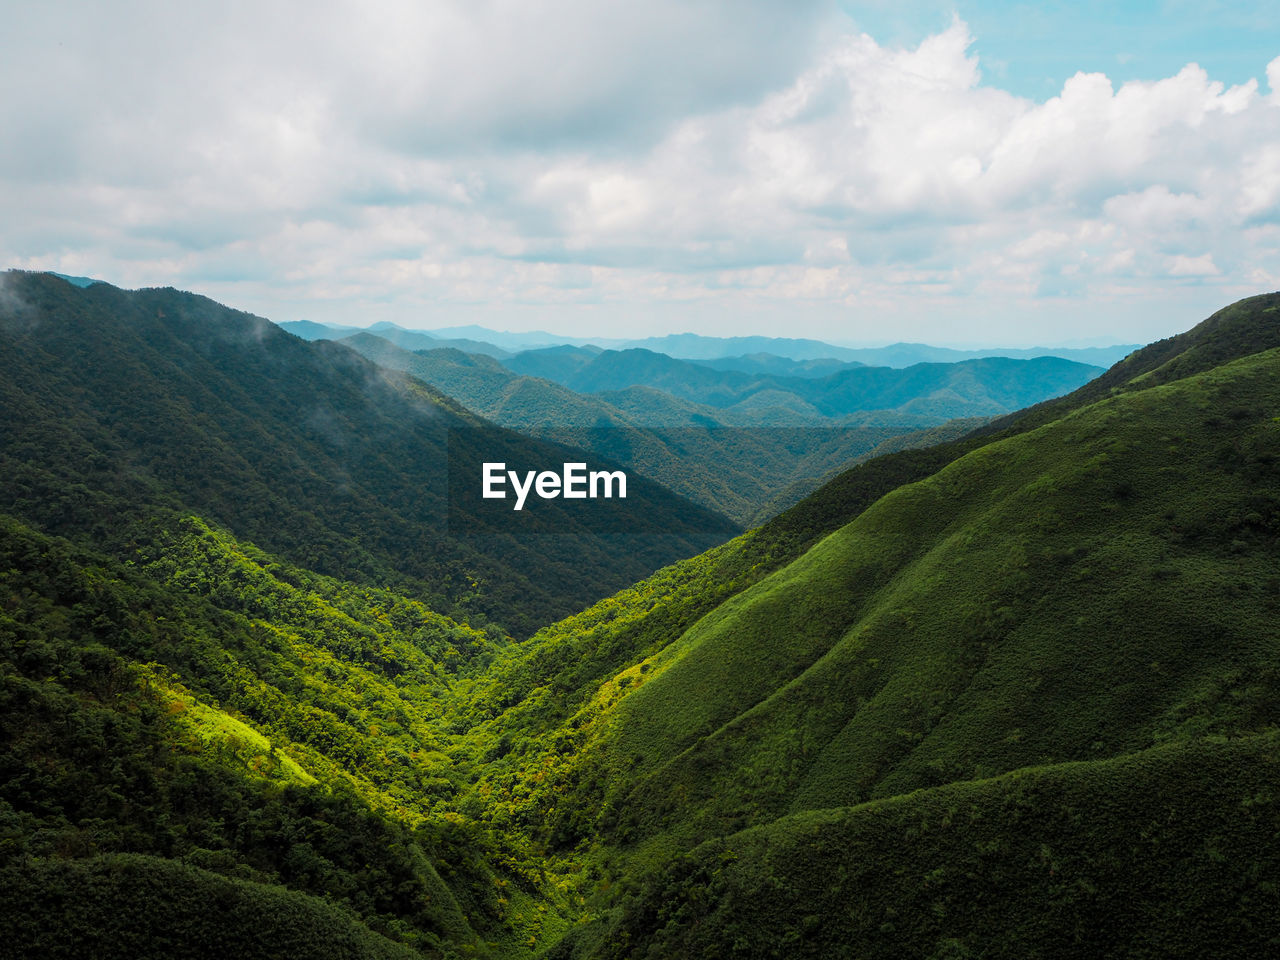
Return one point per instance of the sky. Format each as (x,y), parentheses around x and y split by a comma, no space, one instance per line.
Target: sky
(967,173)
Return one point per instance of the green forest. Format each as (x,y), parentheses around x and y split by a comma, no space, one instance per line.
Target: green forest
(743,445)
(1013,693)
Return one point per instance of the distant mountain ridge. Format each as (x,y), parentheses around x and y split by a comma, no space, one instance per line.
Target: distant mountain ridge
(721,351)
(979,387)
(745,473)
(409,339)
(741,443)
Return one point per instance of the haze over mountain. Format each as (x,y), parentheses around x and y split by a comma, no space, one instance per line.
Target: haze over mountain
(1014,694)
(158,399)
(691,346)
(719,352)
(967,388)
(748,473)
(409,339)
(752,446)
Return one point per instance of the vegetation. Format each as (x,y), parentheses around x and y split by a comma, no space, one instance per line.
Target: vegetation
(748,473)
(929,392)
(121,403)
(758,442)
(1012,694)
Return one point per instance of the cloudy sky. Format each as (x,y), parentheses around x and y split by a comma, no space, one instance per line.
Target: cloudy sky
(861,171)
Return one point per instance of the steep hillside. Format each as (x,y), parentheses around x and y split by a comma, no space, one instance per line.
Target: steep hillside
(1101,590)
(201,723)
(118,403)
(1165,853)
(1015,694)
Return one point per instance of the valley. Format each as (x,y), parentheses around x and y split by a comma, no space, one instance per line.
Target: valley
(988,667)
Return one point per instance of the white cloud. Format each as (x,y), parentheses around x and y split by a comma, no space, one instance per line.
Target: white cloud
(406,157)
(1201,266)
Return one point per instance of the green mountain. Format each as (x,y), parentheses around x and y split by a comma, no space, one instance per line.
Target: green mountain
(746,473)
(1032,694)
(738,352)
(779,355)
(408,339)
(927,391)
(1011,695)
(121,403)
(769,363)
(762,448)
(207,752)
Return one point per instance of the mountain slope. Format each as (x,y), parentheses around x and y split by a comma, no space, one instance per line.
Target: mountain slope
(1087,590)
(1165,853)
(238,725)
(1012,695)
(122,402)
(980,566)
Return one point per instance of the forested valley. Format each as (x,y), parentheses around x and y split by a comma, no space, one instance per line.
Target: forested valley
(1010,694)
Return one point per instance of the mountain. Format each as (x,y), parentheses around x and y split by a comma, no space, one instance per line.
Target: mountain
(188,767)
(121,403)
(929,392)
(906,354)
(781,355)
(743,473)
(692,346)
(77,281)
(718,350)
(1017,689)
(408,339)
(310,330)
(515,342)
(1014,694)
(769,363)
(558,363)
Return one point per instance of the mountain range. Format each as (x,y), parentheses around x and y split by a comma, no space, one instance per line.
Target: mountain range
(746,444)
(157,399)
(740,352)
(745,464)
(929,391)
(1013,694)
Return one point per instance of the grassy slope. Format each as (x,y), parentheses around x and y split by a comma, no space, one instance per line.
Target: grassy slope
(1165,853)
(1098,586)
(986,619)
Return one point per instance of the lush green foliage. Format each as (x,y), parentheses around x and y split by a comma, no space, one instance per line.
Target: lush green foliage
(131,907)
(118,403)
(1166,853)
(1081,591)
(1016,694)
(185,705)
